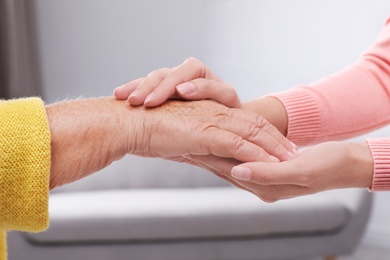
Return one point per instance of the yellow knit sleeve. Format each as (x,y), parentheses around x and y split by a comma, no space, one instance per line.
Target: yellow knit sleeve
(24,165)
(3,249)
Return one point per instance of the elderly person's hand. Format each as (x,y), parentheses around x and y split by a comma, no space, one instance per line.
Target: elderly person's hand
(89,134)
(205,127)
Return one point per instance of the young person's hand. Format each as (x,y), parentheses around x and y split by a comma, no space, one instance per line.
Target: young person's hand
(330,165)
(191,80)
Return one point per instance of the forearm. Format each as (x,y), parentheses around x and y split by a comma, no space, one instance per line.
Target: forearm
(86,136)
(346,104)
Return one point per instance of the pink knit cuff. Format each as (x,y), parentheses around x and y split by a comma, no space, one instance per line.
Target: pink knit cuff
(380,150)
(304,123)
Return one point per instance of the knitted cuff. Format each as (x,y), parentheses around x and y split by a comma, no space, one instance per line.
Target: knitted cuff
(303,116)
(380,150)
(24,165)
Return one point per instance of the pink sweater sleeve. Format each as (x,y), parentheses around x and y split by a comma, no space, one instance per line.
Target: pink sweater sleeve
(351,102)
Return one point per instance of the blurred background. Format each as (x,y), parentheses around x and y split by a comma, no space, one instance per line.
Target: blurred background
(88,47)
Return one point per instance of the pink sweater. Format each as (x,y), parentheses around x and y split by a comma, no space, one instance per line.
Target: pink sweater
(351,102)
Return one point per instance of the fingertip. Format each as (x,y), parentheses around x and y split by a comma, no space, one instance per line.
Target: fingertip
(119,93)
(241,173)
(150,101)
(134,100)
(187,88)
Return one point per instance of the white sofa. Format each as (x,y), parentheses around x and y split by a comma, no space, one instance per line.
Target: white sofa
(153,209)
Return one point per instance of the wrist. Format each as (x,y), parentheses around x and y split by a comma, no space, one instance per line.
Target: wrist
(86,136)
(360,162)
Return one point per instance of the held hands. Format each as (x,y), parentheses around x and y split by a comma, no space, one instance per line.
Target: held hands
(322,167)
(192,80)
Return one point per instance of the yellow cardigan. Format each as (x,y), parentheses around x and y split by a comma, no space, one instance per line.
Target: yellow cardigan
(24,167)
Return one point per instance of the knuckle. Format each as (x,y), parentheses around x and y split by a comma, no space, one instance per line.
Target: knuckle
(237,143)
(192,60)
(305,176)
(254,132)
(264,178)
(197,65)
(305,179)
(261,122)
(230,95)
(159,74)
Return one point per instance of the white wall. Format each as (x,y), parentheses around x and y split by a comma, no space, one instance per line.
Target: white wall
(88,47)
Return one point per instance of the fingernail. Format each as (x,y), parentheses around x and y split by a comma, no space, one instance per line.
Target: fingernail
(294,145)
(242,173)
(274,159)
(186,88)
(134,94)
(118,89)
(148,98)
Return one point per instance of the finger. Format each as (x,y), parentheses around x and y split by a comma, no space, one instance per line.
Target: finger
(139,95)
(222,143)
(268,193)
(191,69)
(123,92)
(284,173)
(219,91)
(264,134)
(221,167)
(257,131)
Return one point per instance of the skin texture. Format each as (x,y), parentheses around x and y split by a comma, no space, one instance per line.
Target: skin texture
(325,166)
(87,135)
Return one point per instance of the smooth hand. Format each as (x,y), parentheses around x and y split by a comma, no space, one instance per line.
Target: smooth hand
(191,80)
(330,165)
(325,166)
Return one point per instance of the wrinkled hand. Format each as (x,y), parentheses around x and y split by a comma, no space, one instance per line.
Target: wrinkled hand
(191,80)
(204,128)
(330,165)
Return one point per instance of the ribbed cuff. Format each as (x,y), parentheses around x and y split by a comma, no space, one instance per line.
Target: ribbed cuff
(304,123)
(380,150)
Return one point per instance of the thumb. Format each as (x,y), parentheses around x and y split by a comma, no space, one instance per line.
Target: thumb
(265,173)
